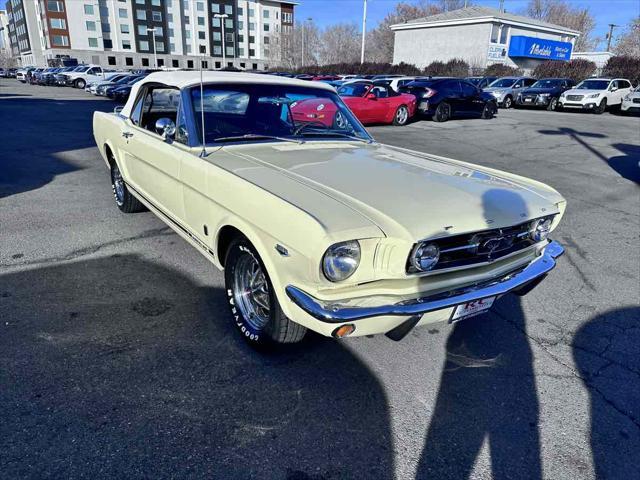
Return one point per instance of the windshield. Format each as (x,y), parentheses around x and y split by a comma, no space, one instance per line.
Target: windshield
(503,82)
(232,112)
(547,83)
(81,69)
(353,89)
(593,85)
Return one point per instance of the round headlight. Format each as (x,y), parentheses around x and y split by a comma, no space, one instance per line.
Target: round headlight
(425,256)
(540,229)
(341,260)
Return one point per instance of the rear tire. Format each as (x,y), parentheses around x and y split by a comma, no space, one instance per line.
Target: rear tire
(253,303)
(401,116)
(126,202)
(443,112)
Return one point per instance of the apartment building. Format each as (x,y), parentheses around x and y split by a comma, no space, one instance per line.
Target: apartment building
(5,48)
(246,34)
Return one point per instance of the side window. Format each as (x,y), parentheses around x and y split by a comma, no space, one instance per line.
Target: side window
(182,134)
(468,90)
(160,102)
(451,86)
(613,85)
(624,84)
(529,81)
(136,113)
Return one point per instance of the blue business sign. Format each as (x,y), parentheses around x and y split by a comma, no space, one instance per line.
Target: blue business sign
(530,47)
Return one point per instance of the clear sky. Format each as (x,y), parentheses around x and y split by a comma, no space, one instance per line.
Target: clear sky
(326,12)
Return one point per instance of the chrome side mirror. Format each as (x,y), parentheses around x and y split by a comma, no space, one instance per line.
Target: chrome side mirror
(118,109)
(166,128)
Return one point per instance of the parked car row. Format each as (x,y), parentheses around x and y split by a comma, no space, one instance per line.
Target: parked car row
(8,72)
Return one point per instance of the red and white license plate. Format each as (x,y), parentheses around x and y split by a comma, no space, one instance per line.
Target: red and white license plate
(471,309)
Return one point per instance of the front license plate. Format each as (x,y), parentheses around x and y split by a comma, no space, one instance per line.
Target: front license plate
(471,309)
(528,100)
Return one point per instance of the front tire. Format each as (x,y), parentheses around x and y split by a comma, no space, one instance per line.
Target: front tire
(443,112)
(553,104)
(253,303)
(508,102)
(80,83)
(488,111)
(125,202)
(600,109)
(401,117)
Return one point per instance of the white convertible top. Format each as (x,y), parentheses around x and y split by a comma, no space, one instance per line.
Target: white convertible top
(185,79)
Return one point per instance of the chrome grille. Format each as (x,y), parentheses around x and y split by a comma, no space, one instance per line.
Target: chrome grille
(636,100)
(479,247)
(575,98)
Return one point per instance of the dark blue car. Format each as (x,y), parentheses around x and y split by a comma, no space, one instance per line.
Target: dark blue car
(544,93)
(446,98)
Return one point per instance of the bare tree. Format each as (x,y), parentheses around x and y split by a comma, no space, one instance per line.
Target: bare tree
(380,40)
(561,13)
(340,43)
(628,42)
(291,43)
(6,60)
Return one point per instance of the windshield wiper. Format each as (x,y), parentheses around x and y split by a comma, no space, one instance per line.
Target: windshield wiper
(331,133)
(255,136)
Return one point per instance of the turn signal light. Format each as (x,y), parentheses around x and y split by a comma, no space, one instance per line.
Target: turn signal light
(344,331)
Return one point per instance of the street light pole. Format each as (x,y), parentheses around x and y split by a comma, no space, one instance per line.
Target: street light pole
(222,16)
(153,39)
(364,30)
(302,59)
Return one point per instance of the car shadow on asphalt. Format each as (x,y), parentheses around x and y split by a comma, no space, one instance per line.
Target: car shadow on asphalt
(605,352)
(44,128)
(122,366)
(627,165)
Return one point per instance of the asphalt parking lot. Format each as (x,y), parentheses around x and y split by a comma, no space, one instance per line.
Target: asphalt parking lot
(118,357)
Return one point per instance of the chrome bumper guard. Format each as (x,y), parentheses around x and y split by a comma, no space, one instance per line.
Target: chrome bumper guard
(522,279)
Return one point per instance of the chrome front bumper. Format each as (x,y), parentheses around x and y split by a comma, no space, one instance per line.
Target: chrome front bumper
(523,279)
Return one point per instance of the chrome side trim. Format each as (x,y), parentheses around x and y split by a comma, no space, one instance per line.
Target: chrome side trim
(333,312)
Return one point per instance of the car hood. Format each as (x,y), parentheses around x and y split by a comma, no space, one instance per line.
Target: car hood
(538,91)
(577,91)
(403,193)
(496,89)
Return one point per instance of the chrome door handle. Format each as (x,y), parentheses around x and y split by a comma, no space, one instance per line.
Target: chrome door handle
(127,134)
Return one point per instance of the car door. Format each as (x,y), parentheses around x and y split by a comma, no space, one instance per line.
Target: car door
(386,104)
(152,165)
(624,88)
(365,106)
(471,101)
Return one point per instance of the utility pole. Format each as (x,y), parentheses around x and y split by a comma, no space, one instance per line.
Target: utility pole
(364,30)
(610,36)
(221,17)
(501,6)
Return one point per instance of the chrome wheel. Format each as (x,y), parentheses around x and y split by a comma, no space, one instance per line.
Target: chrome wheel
(117,184)
(508,102)
(339,121)
(251,291)
(402,115)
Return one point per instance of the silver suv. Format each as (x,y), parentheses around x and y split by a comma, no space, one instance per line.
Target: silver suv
(506,89)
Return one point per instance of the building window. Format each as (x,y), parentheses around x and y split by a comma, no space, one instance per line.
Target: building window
(107,43)
(217,64)
(215,8)
(172,47)
(201,35)
(88,9)
(124,28)
(93,42)
(252,27)
(254,66)
(126,44)
(188,49)
(241,52)
(55,6)
(240,25)
(229,37)
(201,21)
(144,45)
(111,60)
(240,11)
(142,30)
(240,38)
(156,3)
(175,63)
(122,13)
(251,12)
(205,64)
(228,23)
(157,16)
(145,62)
(252,52)
(265,27)
(141,15)
(504,33)
(265,13)
(203,48)
(58,23)
(161,62)
(495,33)
(215,22)
(242,64)
(230,51)
(189,63)
(252,39)
(266,40)
(217,50)
(187,20)
(200,6)
(170,17)
(105,27)
(228,9)
(160,46)
(187,34)
(128,61)
(140,2)
(60,40)
(217,36)
(91,26)
(159,32)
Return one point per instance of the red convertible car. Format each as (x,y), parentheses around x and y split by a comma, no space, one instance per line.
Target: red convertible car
(373,103)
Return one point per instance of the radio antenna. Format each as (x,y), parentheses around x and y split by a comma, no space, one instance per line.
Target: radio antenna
(203,153)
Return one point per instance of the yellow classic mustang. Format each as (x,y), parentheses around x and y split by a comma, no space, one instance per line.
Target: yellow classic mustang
(315,224)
